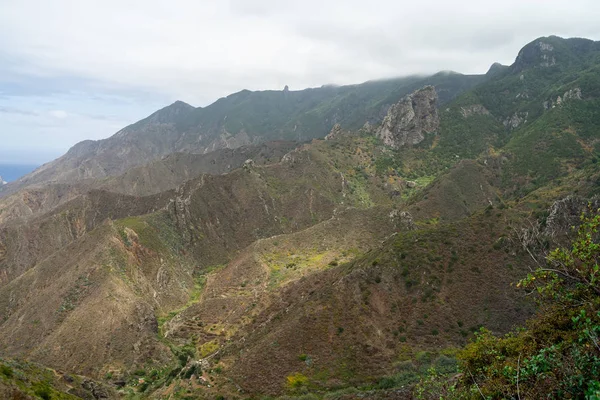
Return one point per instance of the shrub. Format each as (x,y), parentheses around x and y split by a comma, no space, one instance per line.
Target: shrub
(297,380)
(208,348)
(558,354)
(6,371)
(42,390)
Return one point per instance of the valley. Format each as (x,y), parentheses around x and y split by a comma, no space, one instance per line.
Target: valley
(335,243)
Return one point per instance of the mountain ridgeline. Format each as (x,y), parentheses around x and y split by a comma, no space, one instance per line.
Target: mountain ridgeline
(240,119)
(337,242)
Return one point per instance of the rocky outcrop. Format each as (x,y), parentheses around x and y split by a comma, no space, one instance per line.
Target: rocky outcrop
(403,220)
(2,181)
(523,95)
(515,120)
(248,164)
(408,120)
(368,128)
(335,132)
(572,94)
(475,109)
(539,53)
(566,213)
(548,60)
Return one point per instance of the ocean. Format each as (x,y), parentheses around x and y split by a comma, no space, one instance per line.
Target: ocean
(12,172)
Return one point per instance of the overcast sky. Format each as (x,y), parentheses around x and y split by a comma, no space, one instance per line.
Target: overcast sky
(80,69)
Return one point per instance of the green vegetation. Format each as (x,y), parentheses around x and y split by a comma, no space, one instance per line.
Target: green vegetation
(208,348)
(20,379)
(308,114)
(154,231)
(297,380)
(194,296)
(557,355)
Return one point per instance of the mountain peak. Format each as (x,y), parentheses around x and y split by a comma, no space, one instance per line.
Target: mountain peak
(495,69)
(539,53)
(447,72)
(181,104)
(170,113)
(550,51)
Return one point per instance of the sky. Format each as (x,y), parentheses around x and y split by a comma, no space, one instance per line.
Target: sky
(72,70)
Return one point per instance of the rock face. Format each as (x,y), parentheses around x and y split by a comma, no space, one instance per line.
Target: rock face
(516,120)
(408,120)
(566,213)
(475,109)
(2,181)
(335,132)
(572,94)
(539,53)
(548,60)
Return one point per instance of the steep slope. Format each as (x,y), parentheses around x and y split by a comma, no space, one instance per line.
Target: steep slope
(135,259)
(83,284)
(27,381)
(155,177)
(239,119)
(285,296)
(25,243)
(174,169)
(421,291)
(536,120)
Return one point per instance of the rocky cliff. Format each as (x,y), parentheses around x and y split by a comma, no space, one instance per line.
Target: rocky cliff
(408,120)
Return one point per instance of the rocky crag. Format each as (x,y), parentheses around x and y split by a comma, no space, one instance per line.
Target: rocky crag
(407,121)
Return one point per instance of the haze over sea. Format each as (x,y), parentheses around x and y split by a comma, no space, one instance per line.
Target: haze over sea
(12,172)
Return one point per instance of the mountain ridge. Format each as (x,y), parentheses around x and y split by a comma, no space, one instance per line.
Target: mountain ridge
(234,121)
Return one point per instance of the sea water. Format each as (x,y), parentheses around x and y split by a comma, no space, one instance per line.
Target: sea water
(12,172)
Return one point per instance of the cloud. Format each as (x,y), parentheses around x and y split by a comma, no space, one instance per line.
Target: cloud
(126,59)
(10,110)
(59,114)
(39,128)
(201,50)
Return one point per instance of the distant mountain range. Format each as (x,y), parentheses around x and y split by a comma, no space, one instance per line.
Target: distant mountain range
(239,119)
